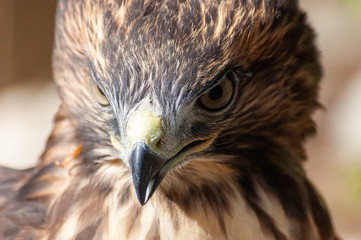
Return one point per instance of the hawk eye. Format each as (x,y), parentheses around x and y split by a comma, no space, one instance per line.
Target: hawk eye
(98,94)
(218,97)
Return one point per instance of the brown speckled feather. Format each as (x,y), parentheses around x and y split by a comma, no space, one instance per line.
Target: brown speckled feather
(249,183)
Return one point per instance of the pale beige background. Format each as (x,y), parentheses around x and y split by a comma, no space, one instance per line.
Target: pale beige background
(28,99)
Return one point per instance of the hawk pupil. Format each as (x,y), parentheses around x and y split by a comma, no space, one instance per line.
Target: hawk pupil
(215,93)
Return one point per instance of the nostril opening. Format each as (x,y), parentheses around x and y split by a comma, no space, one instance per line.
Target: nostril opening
(158,143)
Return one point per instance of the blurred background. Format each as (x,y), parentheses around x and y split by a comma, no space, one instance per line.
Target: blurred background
(28,98)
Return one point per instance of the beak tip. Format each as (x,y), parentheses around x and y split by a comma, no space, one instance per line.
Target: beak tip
(144,195)
(139,190)
(141,200)
(145,166)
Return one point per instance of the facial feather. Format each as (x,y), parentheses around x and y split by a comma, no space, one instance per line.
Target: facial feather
(249,183)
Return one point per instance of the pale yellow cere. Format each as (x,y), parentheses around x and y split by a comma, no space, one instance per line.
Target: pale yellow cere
(145,127)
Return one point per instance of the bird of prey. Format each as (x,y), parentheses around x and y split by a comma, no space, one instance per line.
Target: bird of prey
(180,119)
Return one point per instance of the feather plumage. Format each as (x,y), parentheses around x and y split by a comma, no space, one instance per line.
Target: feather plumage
(248,183)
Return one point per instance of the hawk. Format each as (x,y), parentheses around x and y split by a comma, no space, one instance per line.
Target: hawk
(179,120)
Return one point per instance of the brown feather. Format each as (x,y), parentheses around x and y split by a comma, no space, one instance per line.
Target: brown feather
(249,184)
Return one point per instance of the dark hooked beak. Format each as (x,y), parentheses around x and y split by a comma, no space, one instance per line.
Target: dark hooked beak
(146,167)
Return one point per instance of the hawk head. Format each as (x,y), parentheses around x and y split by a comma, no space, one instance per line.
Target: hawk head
(159,84)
